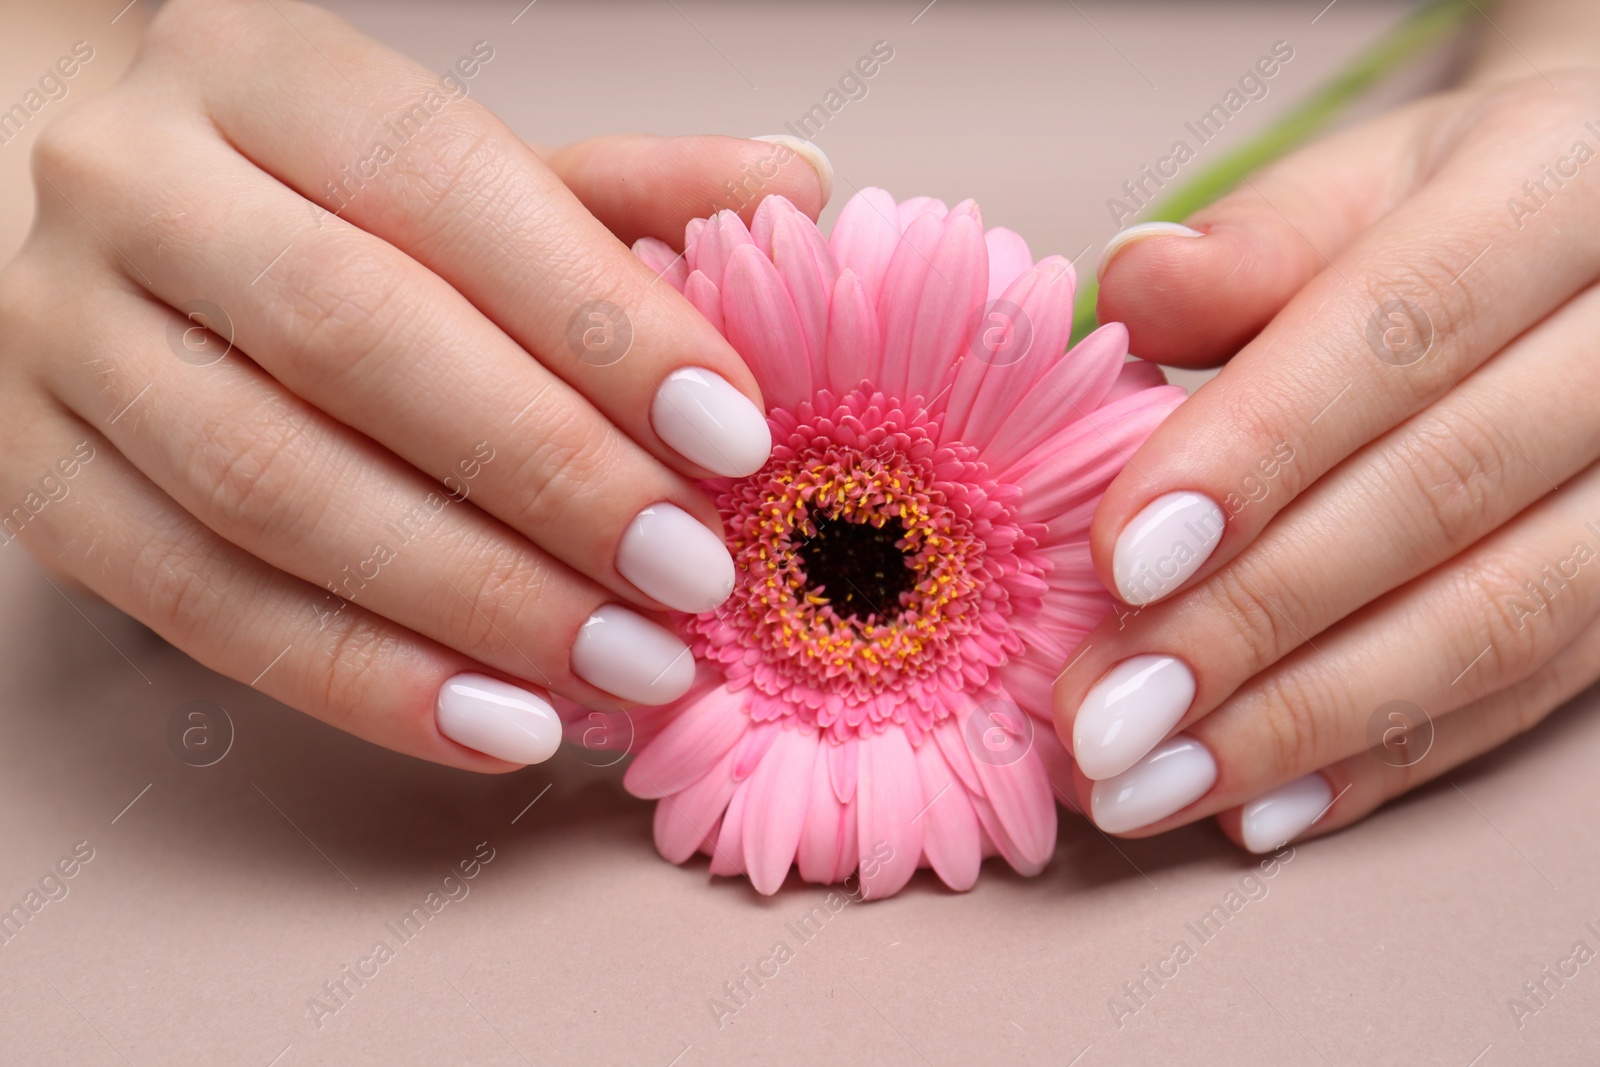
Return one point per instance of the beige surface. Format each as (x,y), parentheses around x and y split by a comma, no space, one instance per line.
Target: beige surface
(217,904)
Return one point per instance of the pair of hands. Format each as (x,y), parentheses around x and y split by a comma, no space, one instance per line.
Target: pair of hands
(1393,455)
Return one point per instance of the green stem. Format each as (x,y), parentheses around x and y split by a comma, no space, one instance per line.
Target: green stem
(1417,33)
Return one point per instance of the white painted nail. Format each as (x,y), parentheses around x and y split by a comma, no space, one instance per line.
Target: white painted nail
(1269,822)
(629,656)
(1164,544)
(1169,779)
(498,719)
(670,555)
(809,152)
(1125,237)
(711,423)
(1128,712)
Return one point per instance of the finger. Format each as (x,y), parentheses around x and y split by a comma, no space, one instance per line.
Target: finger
(1194,303)
(294,488)
(1509,434)
(1479,624)
(640,185)
(1338,367)
(128,542)
(385,347)
(1353,788)
(415,161)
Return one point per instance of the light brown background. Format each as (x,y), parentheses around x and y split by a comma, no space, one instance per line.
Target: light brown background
(217,904)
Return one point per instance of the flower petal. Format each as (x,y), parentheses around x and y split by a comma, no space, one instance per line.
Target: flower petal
(705,297)
(1068,391)
(985,390)
(780,790)
(918,206)
(950,837)
(724,234)
(852,344)
(818,850)
(689,746)
(727,857)
(901,299)
(807,267)
(683,819)
(1008,258)
(659,257)
(1136,374)
(865,237)
(1019,795)
(764,328)
(952,294)
(888,799)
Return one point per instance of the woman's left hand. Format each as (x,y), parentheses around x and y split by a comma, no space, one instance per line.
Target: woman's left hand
(1369,549)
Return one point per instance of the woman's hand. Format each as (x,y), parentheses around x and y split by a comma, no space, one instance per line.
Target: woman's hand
(434,455)
(1369,549)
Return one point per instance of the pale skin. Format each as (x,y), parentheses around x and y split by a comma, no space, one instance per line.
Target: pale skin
(1469,469)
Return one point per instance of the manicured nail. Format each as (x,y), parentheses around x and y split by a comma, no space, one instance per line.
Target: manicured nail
(808,152)
(711,423)
(1128,712)
(1125,237)
(670,555)
(1164,544)
(631,657)
(1169,779)
(1269,822)
(498,719)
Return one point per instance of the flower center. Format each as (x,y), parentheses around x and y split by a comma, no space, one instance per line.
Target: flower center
(860,568)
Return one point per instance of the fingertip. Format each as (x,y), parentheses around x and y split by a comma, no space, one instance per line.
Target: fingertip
(816,158)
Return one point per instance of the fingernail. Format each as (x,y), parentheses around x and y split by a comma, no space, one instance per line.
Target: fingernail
(808,152)
(631,657)
(670,555)
(1164,544)
(1125,237)
(1269,822)
(1128,712)
(711,423)
(1176,774)
(498,719)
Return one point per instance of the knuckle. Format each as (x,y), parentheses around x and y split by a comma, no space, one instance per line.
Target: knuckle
(1450,464)
(503,585)
(1522,624)
(182,597)
(1298,710)
(1429,279)
(566,476)
(74,148)
(251,474)
(352,660)
(1250,616)
(339,329)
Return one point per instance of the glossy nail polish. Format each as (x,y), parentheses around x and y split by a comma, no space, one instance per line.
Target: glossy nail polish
(631,657)
(808,152)
(670,555)
(1173,776)
(711,423)
(1128,712)
(497,719)
(1164,544)
(1127,236)
(1273,820)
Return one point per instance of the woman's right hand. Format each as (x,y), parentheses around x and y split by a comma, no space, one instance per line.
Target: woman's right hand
(313,367)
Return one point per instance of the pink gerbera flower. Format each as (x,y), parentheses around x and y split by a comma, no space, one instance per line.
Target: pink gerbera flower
(913,560)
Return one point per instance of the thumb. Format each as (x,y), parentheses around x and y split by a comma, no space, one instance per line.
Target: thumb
(640,185)
(1193,295)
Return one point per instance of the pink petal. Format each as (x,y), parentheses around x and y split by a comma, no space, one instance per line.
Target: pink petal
(1067,392)
(749,753)
(683,820)
(1019,795)
(986,389)
(947,735)
(1136,374)
(689,746)
(691,241)
(865,237)
(849,833)
(764,328)
(703,294)
(818,850)
(1078,462)
(918,206)
(852,344)
(780,790)
(889,797)
(727,857)
(1008,258)
(723,235)
(901,298)
(952,293)
(844,761)
(659,257)
(950,831)
(806,264)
